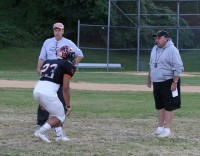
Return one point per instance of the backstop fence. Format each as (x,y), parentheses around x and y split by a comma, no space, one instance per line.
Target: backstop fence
(132,40)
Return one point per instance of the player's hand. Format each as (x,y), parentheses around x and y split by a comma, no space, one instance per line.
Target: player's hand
(39,72)
(68,111)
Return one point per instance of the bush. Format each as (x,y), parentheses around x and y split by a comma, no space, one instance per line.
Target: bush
(13,36)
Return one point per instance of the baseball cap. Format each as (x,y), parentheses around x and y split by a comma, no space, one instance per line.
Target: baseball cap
(58,25)
(161,33)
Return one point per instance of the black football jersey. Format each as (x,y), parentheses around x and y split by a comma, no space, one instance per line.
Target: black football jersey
(54,70)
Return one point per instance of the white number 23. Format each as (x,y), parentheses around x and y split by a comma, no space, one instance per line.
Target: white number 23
(49,70)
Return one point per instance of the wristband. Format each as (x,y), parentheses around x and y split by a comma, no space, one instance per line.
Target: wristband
(68,106)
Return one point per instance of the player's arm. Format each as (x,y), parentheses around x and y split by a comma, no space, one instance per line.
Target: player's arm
(39,66)
(66,93)
(42,58)
(78,59)
(78,53)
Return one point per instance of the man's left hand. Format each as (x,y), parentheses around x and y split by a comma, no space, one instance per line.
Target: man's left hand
(173,86)
(68,111)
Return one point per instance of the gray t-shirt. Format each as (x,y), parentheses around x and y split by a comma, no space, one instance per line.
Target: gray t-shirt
(165,63)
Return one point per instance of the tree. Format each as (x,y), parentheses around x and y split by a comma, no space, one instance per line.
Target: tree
(129,39)
(29,22)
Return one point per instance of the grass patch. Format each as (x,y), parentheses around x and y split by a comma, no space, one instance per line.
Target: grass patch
(102,123)
(19,59)
(25,59)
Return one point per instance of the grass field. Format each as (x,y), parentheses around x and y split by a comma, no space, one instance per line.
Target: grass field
(25,59)
(114,123)
(102,123)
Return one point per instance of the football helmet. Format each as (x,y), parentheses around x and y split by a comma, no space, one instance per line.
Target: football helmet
(66,53)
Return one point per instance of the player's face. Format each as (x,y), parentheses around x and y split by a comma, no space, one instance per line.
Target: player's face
(58,33)
(161,41)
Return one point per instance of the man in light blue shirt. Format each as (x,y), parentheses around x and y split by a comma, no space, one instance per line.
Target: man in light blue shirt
(51,45)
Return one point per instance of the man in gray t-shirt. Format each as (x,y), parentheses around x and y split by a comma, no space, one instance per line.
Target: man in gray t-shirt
(166,67)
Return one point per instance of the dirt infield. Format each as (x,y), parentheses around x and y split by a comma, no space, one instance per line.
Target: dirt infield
(94,86)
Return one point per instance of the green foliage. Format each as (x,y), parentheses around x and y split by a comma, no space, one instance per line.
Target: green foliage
(127,37)
(99,12)
(11,35)
(19,22)
(187,37)
(27,23)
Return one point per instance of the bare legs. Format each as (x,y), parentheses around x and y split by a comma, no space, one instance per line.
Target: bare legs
(164,123)
(54,122)
(164,118)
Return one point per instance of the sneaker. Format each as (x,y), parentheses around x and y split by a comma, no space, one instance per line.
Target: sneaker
(157,132)
(165,135)
(41,135)
(61,136)
(37,127)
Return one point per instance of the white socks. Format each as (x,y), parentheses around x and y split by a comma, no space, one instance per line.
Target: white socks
(58,129)
(45,128)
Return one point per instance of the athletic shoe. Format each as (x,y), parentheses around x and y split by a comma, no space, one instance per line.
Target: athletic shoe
(157,132)
(37,127)
(165,135)
(41,135)
(61,136)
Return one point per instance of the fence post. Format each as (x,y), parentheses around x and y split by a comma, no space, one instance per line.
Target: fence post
(78,38)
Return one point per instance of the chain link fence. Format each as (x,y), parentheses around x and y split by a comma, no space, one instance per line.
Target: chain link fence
(131,45)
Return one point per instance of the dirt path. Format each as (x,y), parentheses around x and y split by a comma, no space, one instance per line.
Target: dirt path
(94,86)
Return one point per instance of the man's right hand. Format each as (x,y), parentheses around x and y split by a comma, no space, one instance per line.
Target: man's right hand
(39,72)
(39,66)
(148,80)
(148,83)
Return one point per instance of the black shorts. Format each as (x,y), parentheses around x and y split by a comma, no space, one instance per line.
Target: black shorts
(163,95)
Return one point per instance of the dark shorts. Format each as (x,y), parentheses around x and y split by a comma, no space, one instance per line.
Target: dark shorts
(163,95)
